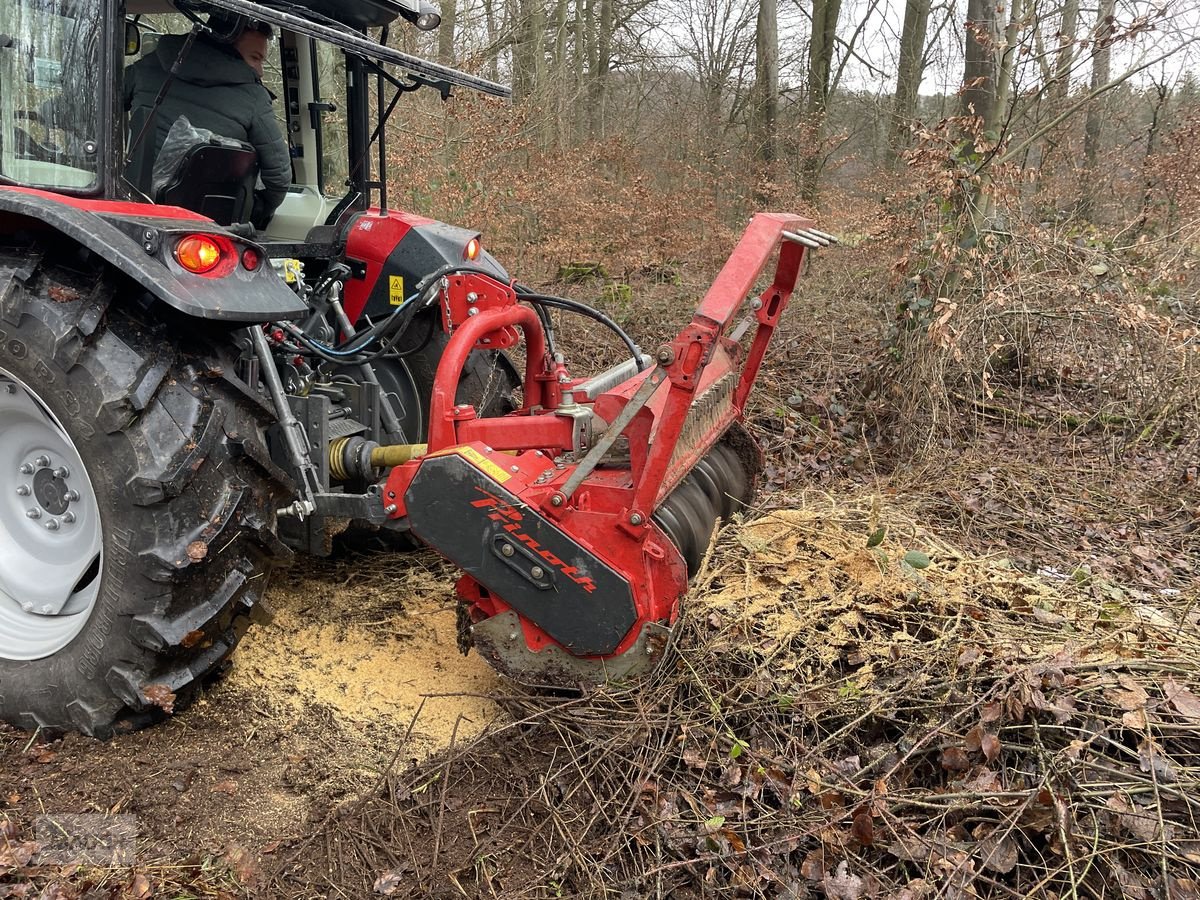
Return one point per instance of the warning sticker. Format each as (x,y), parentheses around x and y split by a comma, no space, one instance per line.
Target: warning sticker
(477,459)
(396,290)
(481,462)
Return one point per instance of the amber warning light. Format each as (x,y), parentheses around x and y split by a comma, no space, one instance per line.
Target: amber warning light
(473,249)
(198,253)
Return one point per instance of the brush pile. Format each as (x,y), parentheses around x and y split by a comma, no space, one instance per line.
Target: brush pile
(846,716)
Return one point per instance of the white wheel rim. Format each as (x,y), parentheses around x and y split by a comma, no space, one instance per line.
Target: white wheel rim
(51,536)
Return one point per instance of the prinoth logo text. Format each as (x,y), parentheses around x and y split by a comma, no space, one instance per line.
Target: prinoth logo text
(506,513)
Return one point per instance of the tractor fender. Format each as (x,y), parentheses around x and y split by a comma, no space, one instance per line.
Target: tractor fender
(138,239)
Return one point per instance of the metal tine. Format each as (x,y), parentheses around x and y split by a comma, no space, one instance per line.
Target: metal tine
(829,237)
(818,237)
(802,239)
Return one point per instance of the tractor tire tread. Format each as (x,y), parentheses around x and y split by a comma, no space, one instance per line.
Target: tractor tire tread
(192,543)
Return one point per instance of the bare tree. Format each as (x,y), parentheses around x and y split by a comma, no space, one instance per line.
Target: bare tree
(979,70)
(766,80)
(825,15)
(1101,66)
(908,75)
(446,32)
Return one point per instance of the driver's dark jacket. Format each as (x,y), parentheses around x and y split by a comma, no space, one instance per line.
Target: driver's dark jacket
(217,90)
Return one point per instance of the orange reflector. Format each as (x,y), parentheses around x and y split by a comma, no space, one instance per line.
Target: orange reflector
(473,248)
(198,253)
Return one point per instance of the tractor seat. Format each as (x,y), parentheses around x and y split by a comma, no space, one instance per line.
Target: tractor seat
(215,180)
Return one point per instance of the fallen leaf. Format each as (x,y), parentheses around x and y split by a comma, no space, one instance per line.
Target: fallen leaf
(161,696)
(1185,702)
(1133,696)
(991,712)
(990,744)
(862,829)
(973,739)
(954,759)
(813,867)
(139,888)
(389,883)
(1151,758)
(229,787)
(1135,719)
(1141,822)
(998,853)
(242,864)
(197,550)
(841,885)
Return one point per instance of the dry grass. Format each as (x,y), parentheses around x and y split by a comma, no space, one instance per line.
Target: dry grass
(833,721)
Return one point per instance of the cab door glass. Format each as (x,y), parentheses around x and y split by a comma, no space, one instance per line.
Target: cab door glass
(335,140)
(49,60)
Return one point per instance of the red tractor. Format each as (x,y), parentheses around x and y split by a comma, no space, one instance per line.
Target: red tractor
(186,402)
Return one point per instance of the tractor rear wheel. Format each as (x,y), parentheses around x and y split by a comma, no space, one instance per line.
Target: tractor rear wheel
(137,509)
(487,383)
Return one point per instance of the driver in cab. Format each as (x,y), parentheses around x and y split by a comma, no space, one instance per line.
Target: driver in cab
(218,86)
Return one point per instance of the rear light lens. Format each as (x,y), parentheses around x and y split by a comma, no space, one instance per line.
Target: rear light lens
(198,253)
(474,248)
(251,259)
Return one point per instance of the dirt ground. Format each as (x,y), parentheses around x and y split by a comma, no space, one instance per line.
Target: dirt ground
(317,705)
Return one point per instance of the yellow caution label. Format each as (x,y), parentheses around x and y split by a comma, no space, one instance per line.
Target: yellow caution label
(485,465)
(396,290)
(477,459)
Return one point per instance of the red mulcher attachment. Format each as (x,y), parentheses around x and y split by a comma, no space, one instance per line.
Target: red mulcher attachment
(579,518)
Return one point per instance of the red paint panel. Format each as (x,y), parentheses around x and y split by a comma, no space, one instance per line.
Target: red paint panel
(115,207)
(371,240)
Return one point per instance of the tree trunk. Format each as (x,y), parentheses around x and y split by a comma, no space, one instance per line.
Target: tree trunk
(446,32)
(529,55)
(766,79)
(561,73)
(588,99)
(1066,50)
(1101,66)
(979,73)
(599,80)
(908,76)
(489,18)
(1004,74)
(820,64)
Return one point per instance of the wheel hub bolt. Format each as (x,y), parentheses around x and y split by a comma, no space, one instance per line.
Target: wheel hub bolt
(42,462)
(62,472)
(71,496)
(52,525)
(26,469)
(68,517)
(23,491)
(34,513)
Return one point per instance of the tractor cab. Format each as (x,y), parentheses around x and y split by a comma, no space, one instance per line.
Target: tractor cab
(64,126)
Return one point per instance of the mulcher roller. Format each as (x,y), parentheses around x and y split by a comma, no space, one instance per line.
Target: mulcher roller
(716,488)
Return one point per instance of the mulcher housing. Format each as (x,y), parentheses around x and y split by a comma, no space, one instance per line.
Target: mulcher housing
(172,432)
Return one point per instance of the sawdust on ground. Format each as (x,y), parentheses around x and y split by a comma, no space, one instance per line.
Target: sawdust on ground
(805,585)
(372,648)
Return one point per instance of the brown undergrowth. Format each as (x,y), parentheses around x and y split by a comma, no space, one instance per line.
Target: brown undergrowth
(837,720)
